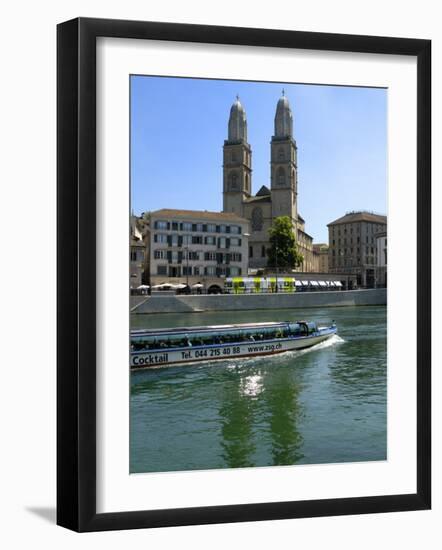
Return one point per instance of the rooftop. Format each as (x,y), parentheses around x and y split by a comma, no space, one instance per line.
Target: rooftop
(198,214)
(361,216)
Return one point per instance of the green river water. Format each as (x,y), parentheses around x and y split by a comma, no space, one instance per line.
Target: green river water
(326,404)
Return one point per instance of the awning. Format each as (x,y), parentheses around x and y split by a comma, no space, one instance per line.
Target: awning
(322,283)
(298,283)
(338,283)
(305,283)
(314,283)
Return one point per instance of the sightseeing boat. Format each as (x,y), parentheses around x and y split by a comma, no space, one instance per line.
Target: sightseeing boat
(173,346)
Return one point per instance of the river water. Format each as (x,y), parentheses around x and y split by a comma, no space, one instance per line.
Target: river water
(326,404)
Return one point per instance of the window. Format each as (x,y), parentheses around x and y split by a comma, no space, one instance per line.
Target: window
(197,239)
(187,270)
(187,239)
(210,256)
(257,219)
(159,224)
(222,242)
(210,270)
(280,178)
(222,229)
(211,228)
(197,270)
(187,226)
(199,227)
(235,229)
(133,255)
(162,270)
(174,240)
(250,251)
(234,241)
(281,154)
(235,257)
(160,254)
(160,238)
(235,271)
(174,226)
(210,240)
(233,182)
(263,251)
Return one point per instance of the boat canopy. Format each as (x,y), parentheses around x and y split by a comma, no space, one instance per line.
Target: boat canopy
(229,334)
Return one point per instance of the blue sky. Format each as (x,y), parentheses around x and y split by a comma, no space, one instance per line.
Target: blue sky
(178,126)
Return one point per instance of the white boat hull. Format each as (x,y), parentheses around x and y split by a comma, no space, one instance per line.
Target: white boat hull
(178,356)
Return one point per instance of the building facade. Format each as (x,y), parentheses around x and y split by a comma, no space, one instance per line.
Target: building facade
(352,245)
(381,259)
(197,247)
(279,199)
(320,252)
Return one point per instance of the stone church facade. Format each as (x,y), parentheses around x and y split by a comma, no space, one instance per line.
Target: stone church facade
(280,199)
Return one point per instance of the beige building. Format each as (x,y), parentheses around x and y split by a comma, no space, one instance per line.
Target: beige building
(197,247)
(352,245)
(320,254)
(381,259)
(280,199)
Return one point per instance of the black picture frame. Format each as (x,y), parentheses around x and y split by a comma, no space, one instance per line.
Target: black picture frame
(76,273)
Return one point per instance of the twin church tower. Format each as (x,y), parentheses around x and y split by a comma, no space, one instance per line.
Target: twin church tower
(267,204)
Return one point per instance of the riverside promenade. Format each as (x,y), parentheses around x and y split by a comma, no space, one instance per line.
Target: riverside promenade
(242,302)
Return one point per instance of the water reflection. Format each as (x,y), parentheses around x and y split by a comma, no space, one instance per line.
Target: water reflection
(282,399)
(236,414)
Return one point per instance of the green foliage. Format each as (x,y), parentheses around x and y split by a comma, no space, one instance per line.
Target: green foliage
(283,251)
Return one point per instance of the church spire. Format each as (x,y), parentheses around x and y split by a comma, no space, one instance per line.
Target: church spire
(237,123)
(283,118)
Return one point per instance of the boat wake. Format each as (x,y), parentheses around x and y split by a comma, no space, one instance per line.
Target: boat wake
(282,357)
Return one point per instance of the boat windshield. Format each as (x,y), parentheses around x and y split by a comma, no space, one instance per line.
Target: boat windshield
(222,336)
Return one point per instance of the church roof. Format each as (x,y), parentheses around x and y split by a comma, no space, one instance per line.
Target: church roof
(262,198)
(283,118)
(237,129)
(264,191)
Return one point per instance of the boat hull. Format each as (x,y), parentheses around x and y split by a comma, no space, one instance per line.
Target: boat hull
(179,356)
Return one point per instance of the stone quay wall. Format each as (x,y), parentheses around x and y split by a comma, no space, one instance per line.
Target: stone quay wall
(238,302)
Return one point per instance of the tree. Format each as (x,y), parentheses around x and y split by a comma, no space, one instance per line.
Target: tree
(283,251)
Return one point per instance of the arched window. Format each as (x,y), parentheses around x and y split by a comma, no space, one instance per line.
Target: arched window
(263,251)
(247,183)
(250,251)
(233,182)
(280,178)
(257,219)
